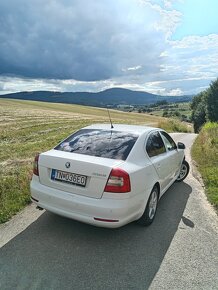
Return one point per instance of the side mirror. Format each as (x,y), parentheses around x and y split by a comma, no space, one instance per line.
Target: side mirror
(180,145)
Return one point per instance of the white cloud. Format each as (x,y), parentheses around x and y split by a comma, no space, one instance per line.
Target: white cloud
(164,54)
(16,84)
(168,3)
(175,92)
(167,20)
(132,68)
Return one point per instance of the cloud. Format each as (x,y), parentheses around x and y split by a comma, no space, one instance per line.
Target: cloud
(16,84)
(79,39)
(167,18)
(79,45)
(131,68)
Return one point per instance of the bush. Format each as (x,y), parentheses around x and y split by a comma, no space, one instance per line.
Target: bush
(205,106)
(205,153)
(165,113)
(198,107)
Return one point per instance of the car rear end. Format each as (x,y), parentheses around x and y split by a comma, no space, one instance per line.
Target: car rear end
(83,178)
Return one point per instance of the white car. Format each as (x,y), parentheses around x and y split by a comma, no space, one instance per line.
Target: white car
(107,176)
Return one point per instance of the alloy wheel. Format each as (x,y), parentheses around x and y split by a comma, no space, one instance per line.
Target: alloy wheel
(153,204)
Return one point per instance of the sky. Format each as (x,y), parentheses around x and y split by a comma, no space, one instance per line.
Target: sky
(165,47)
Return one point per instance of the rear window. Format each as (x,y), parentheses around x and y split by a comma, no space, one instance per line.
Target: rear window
(100,143)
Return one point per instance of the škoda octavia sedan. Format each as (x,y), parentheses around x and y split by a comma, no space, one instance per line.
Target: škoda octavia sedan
(107,176)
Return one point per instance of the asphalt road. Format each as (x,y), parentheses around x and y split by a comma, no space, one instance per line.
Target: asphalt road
(178,251)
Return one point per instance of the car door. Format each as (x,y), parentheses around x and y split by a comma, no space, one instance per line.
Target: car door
(174,160)
(157,153)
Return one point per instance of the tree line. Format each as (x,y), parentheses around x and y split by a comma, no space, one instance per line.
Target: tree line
(205,106)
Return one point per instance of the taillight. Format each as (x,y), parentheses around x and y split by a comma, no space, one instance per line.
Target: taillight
(118,181)
(36,165)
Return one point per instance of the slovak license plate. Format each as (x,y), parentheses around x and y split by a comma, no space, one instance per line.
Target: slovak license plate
(68,177)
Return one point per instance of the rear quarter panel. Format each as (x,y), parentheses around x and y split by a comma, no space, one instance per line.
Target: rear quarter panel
(143,175)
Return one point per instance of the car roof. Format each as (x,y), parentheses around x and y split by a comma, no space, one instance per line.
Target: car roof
(138,129)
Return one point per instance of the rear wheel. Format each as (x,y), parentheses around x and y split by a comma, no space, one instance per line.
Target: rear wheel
(184,170)
(151,208)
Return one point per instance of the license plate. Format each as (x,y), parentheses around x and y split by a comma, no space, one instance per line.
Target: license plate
(68,177)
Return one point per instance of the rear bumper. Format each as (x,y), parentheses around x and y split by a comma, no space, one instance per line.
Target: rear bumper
(86,209)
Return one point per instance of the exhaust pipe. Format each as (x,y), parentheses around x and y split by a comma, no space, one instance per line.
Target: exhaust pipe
(39,208)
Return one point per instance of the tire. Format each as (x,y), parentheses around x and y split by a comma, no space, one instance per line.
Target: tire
(184,170)
(150,211)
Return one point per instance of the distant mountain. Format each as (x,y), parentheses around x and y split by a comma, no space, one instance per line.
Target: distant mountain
(113,97)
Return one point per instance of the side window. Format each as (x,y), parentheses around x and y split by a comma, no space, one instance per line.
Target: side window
(170,144)
(155,145)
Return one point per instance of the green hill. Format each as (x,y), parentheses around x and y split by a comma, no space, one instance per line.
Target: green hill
(112,97)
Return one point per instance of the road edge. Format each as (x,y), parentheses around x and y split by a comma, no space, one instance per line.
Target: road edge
(18,223)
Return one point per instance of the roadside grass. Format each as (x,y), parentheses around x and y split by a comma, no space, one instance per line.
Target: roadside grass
(29,127)
(14,190)
(172,125)
(205,154)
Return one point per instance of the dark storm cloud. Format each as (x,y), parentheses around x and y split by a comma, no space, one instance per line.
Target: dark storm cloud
(77,39)
(92,45)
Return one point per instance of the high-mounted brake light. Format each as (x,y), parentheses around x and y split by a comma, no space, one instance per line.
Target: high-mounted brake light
(118,181)
(36,165)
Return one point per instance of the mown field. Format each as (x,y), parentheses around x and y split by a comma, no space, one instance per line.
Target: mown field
(205,153)
(28,127)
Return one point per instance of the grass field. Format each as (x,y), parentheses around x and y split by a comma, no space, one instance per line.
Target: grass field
(28,127)
(182,108)
(205,153)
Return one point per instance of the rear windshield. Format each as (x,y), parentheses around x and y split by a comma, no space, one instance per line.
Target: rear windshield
(101,143)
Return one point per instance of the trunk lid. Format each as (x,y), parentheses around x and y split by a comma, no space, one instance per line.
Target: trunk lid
(96,171)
